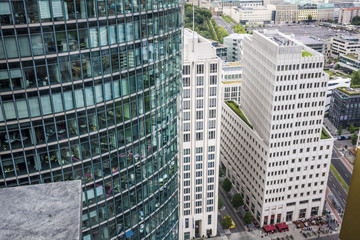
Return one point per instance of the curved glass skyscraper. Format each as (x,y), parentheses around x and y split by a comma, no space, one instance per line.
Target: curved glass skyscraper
(88,90)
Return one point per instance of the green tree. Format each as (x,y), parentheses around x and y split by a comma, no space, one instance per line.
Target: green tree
(354,139)
(339,131)
(355,78)
(355,20)
(248,217)
(221,173)
(227,221)
(220,203)
(352,128)
(227,185)
(309,18)
(237,200)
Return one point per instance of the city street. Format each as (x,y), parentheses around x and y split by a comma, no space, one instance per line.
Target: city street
(221,22)
(340,167)
(230,210)
(337,190)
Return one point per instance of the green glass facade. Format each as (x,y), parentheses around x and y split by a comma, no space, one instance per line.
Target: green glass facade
(88,90)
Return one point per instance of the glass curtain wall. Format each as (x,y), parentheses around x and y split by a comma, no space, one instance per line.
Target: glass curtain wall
(88,91)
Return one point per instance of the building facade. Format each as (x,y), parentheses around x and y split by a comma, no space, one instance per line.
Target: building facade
(234,48)
(200,141)
(252,15)
(242,3)
(344,45)
(286,13)
(272,147)
(325,13)
(89,90)
(347,14)
(349,63)
(334,84)
(345,107)
(307,12)
(231,81)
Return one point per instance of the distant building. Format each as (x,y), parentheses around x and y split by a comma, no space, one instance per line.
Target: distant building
(350,62)
(234,48)
(345,107)
(307,10)
(286,13)
(333,84)
(221,50)
(311,42)
(325,12)
(326,49)
(231,81)
(344,45)
(347,14)
(242,3)
(252,15)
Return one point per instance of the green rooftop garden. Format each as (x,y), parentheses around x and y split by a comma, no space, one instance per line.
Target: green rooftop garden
(332,75)
(306,54)
(324,134)
(237,110)
(353,56)
(343,89)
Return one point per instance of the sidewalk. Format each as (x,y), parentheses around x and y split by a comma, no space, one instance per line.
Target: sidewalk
(328,202)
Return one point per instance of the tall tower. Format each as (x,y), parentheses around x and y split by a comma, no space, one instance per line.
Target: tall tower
(200,138)
(279,156)
(88,90)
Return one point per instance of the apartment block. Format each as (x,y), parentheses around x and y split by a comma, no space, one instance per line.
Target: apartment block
(273,146)
(347,14)
(199,144)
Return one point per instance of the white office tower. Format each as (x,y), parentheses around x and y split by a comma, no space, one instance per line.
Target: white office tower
(200,142)
(280,159)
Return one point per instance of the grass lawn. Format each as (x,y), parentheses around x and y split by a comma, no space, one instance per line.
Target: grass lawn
(339,178)
(324,134)
(306,54)
(237,110)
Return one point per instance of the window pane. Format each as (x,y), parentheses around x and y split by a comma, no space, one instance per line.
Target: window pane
(22,109)
(34,107)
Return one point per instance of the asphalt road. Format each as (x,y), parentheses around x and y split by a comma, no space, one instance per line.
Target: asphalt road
(229,210)
(221,22)
(340,167)
(337,190)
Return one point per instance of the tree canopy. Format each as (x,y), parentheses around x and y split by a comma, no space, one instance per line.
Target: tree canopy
(202,16)
(237,200)
(248,217)
(355,78)
(354,139)
(227,221)
(227,185)
(355,20)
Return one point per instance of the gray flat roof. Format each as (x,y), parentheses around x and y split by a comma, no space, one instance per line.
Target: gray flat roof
(43,211)
(308,40)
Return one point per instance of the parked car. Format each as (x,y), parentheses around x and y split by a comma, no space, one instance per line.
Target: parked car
(341,138)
